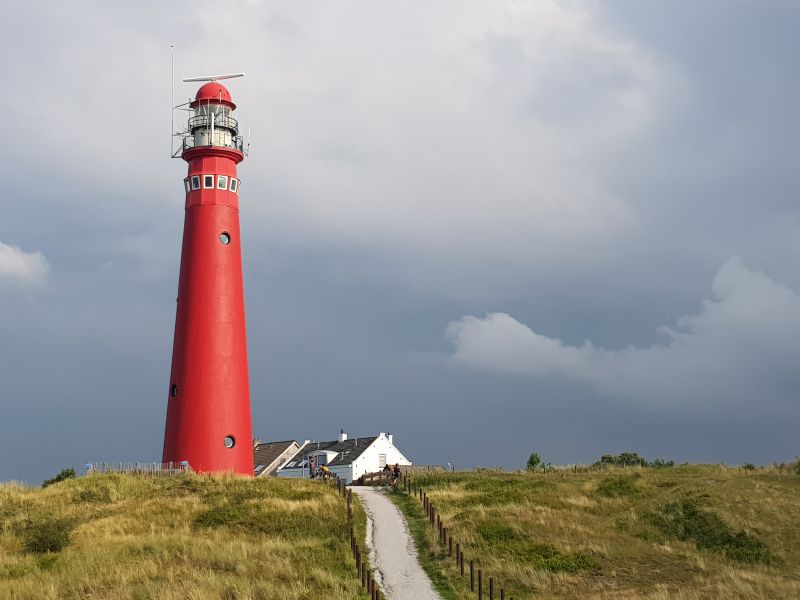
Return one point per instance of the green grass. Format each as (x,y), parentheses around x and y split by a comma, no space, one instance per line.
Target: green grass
(123,536)
(685,532)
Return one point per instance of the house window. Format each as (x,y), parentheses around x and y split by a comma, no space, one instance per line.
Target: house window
(381,460)
(234,184)
(208,182)
(222,182)
(186,185)
(195,182)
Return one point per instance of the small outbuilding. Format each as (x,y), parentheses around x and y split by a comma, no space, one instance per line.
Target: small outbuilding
(348,458)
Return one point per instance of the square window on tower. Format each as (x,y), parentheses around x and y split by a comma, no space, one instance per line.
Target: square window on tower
(208,182)
(234,184)
(186,184)
(195,182)
(222,182)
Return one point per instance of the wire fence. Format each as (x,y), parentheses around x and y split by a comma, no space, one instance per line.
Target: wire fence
(451,548)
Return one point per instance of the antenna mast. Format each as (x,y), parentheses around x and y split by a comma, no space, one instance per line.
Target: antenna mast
(172,104)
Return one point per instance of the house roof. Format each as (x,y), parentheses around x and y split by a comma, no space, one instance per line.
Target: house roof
(346,451)
(268,452)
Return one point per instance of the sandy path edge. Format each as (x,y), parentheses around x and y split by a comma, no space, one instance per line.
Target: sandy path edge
(392,554)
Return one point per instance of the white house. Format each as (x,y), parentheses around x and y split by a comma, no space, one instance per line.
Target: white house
(349,458)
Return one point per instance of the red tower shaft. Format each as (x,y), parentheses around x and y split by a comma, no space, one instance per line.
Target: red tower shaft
(208,413)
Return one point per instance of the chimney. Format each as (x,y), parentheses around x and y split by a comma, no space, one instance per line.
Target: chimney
(391,438)
(342,436)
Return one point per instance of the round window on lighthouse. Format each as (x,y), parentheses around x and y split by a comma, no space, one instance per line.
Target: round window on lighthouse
(225,238)
(229,441)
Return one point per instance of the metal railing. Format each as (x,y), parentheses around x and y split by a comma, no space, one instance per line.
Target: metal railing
(188,142)
(219,121)
(138,468)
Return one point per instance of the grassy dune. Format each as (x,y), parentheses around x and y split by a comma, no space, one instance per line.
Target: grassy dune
(121,536)
(685,533)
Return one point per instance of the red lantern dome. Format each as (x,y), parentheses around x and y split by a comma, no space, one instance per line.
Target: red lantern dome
(214,93)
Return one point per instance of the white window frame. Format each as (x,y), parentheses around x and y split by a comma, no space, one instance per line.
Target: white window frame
(186,185)
(234,185)
(195,179)
(205,179)
(381,459)
(222,182)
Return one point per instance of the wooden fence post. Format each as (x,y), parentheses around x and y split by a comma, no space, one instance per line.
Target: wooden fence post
(472,576)
(480,584)
(449,544)
(461,562)
(491,588)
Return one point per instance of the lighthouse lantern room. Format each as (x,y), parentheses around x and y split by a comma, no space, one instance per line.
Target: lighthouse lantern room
(208,403)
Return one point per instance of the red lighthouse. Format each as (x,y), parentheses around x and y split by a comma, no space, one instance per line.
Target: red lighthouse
(208,411)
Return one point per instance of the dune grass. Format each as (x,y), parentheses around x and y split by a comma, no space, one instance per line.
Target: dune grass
(689,532)
(189,536)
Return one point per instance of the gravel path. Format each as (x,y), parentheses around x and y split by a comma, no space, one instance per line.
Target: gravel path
(391,550)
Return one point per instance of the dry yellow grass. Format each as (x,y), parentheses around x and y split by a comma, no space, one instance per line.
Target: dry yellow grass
(180,537)
(579,533)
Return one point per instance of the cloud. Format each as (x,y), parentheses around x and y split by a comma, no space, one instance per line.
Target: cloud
(15,264)
(740,347)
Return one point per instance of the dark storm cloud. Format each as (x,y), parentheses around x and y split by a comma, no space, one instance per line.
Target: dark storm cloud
(585,168)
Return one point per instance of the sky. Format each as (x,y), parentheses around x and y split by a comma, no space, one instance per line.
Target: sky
(489,228)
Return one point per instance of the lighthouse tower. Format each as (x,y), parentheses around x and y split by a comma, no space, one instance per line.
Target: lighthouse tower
(208,411)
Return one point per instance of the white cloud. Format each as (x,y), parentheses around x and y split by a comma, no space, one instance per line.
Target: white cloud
(740,347)
(15,264)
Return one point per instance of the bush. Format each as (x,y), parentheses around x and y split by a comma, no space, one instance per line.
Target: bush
(687,521)
(617,487)
(65,474)
(626,459)
(47,536)
(749,467)
(533,462)
(661,464)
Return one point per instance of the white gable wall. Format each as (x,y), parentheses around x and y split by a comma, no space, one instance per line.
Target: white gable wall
(369,461)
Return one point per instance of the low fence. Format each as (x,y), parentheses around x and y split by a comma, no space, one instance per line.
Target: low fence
(449,545)
(139,468)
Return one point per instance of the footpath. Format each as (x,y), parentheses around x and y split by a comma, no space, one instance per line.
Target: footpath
(392,553)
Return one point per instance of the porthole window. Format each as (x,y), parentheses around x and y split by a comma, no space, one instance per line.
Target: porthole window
(229,441)
(186,184)
(222,182)
(173,390)
(225,238)
(208,182)
(234,184)
(195,182)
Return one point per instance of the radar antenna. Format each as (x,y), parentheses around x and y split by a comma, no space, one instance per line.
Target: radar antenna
(213,77)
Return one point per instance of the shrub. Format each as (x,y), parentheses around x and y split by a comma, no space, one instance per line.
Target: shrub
(626,459)
(749,467)
(661,464)
(63,475)
(687,521)
(617,487)
(47,536)
(533,462)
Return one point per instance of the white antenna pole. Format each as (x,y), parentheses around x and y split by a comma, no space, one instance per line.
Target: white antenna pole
(172,104)
(248,141)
